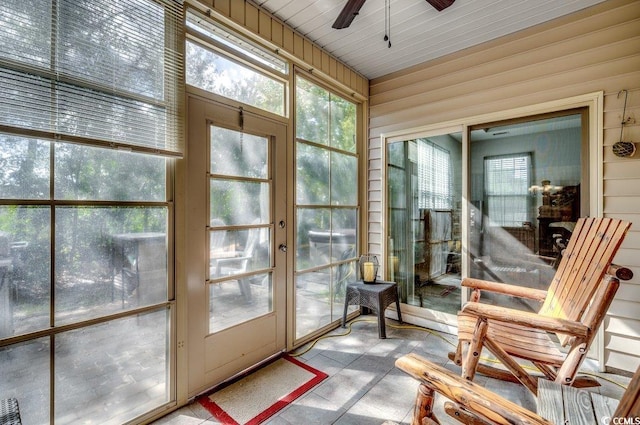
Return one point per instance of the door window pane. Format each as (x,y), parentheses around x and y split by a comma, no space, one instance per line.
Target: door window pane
(240,251)
(234,153)
(239,202)
(239,300)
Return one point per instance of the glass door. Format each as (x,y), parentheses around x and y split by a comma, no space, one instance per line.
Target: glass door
(424,193)
(237,302)
(528,186)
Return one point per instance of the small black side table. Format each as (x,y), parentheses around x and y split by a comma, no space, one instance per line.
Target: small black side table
(376,296)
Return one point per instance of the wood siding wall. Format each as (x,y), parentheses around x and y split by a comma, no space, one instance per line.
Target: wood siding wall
(286,40)
(597,49)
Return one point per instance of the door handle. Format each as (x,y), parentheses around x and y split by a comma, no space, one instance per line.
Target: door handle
(282,247)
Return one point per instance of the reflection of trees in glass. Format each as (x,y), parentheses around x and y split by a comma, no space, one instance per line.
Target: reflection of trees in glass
(234,153)
(83,233)
(326,174)
(324,118)
(100,174)
(217,74)
(312,177)
(24,168)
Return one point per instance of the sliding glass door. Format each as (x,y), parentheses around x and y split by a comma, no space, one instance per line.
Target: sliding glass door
(528,188)
(424,215)
(526,185)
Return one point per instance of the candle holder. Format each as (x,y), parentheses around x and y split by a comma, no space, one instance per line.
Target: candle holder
(368,268)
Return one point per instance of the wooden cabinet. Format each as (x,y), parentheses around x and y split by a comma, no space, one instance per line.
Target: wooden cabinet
(560,207)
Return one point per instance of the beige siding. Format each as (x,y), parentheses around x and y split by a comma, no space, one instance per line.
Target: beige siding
(594,50)
(271,30)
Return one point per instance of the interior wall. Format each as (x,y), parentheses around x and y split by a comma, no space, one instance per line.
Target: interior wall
(597,49)
(555,156)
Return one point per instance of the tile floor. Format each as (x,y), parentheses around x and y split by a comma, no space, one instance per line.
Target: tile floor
(364,386)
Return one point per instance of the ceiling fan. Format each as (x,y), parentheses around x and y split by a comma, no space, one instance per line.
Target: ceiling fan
(352,8)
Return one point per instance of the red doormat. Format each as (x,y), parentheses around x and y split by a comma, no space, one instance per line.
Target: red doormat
(261,394)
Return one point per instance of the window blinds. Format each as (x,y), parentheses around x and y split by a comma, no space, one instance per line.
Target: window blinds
(97,72)
(507,181)
(434,176)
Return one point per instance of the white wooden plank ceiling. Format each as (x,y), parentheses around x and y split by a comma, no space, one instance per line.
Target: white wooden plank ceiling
(418,32)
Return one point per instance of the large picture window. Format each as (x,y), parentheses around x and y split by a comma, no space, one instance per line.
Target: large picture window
(116,85)
(326,204)
(89,115)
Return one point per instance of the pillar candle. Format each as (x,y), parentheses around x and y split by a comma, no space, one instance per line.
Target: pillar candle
(368,272)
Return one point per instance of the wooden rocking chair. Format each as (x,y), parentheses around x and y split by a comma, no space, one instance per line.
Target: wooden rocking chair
(473,404)
(573,308)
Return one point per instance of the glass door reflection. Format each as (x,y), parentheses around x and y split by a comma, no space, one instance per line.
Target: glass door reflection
(424,216)
(528,187)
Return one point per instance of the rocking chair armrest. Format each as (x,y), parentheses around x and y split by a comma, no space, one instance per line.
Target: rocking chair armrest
(505,288)
(621,272)
(467,394)
(528,319)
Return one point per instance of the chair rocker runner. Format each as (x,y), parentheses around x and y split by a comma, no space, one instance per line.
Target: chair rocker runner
(471,403)
(573,308)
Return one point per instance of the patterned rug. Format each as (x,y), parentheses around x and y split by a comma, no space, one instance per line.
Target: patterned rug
(261,394)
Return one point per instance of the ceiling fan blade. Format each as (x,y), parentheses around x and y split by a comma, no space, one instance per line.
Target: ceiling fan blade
(440,5)
(348,12)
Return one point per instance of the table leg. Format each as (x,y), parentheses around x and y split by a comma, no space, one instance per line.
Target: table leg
(346,305)
(398,307)
(382,332)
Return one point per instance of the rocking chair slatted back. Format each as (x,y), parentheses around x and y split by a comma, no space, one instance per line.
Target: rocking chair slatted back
(591,249)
